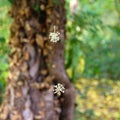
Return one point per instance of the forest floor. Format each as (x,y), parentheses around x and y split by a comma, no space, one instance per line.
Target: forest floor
(97,100)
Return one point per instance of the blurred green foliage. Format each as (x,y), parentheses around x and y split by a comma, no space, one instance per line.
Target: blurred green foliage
(93,34)
(97,100)
(4,33)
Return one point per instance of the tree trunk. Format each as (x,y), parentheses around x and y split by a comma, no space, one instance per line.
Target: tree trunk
(36,64)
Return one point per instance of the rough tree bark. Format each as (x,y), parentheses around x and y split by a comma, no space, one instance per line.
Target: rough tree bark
(36,64)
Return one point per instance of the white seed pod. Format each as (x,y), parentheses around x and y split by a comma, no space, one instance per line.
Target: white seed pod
(59,89)
(54,36)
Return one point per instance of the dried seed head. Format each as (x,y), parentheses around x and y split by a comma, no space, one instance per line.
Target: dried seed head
(54,36)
